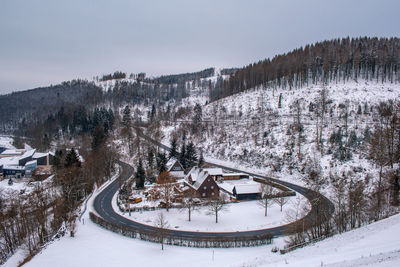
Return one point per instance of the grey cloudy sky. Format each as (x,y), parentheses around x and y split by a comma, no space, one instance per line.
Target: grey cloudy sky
(45,42)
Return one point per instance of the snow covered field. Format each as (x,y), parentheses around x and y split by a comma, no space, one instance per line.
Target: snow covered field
(374,245)
(241,216)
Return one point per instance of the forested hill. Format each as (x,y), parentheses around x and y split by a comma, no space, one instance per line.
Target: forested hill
(36,104)
(185,77)
(58,104)
(334,60)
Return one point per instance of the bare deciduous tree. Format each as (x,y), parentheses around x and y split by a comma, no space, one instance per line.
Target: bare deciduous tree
(162,225)
(266,193)
(189,204)
(166,184)
(281,201)
(216,205)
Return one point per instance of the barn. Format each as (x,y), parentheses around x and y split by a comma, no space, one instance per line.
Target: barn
(234,176)
(246,191)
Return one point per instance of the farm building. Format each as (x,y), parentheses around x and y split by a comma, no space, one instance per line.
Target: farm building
(246,191)
(216,173)
(234,176)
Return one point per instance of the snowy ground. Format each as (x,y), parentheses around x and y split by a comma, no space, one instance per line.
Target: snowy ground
(16,187)
(373,245)
(6,142)
(241,216)
(21,186)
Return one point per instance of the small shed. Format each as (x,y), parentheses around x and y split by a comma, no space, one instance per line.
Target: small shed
(246,191)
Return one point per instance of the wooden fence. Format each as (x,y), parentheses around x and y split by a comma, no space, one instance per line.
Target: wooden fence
(170,237)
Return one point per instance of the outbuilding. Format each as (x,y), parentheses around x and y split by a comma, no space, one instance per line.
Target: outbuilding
(246,191)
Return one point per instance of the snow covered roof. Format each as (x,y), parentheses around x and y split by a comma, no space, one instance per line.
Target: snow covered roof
(28,153)
(214,171)
(198,176)
(200,179)
(171,162)
(13,152)
(39,155)
(9,161)
(16,168)
(31,162)
(235,174)
(247,188)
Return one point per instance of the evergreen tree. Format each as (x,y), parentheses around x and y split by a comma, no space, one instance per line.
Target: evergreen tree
(359,111)
(182,156)
(98,137)
(111,119)
(201,159)
(126,118)
(140,175)
(191,155)
(58,157)
(150,158)
(197,118)
(161,162)
(280,101)
(173,153)
(153,113)
(72,159)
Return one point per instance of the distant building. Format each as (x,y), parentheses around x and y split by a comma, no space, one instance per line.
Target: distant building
(44,159)
(12,153)
(13,172)
(218,174)
(18,163)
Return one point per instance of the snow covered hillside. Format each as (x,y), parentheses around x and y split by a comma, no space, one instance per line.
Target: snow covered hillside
(374,245)
(258,129)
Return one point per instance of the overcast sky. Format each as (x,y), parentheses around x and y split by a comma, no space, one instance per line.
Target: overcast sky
(45,42)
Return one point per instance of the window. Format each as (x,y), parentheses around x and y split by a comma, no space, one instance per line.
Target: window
(204,194)
(212,193)
(205,188)
(212,187)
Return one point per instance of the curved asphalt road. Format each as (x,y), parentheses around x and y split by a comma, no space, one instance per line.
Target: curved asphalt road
(103,206)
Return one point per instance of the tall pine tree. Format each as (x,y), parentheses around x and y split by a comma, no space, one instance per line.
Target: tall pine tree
(140,175)
(173,153)
(191,155)
(182,156)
